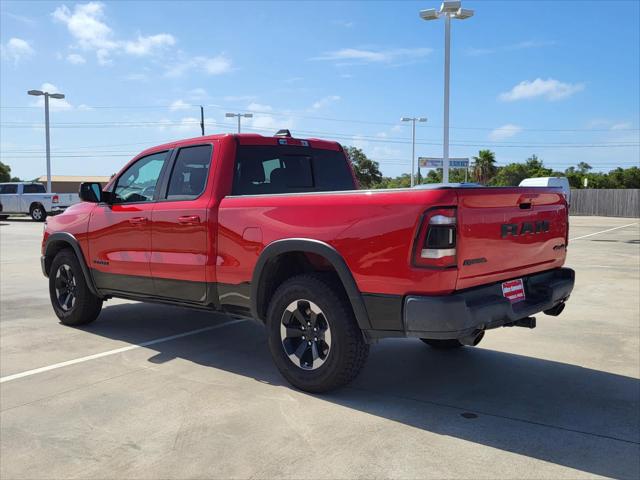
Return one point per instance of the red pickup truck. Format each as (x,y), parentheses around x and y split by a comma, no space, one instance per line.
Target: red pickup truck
(275,229)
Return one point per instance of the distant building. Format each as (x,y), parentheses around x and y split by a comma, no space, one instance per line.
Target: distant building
(70,183)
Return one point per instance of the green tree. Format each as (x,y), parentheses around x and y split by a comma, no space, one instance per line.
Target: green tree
(484,166)
(403,181)
(456,175)
(584,167)
(513,173)
(5,174)
(367,171)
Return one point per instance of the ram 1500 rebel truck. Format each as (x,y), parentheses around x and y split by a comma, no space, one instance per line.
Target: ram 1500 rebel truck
(275,229)
(30,198)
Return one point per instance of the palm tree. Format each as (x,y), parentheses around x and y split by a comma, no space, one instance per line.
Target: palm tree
(484,166)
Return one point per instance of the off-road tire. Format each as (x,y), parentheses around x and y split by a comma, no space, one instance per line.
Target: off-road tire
(86,306)
(38,213)
(448,344)
(348,351)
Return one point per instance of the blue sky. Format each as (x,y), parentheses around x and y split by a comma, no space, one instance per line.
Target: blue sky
(558,79)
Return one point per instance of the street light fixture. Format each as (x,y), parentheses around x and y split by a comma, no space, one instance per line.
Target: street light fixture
(413,120)
(448,10)
(57,96)
(239,115)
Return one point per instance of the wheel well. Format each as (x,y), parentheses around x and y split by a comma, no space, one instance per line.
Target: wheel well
(53,249)
(34,205)
(286,265)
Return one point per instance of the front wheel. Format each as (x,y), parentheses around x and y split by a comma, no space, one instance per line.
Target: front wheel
(313,336)
(72,301)
(38,213)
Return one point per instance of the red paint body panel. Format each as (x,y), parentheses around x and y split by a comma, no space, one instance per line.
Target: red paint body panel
(374,231)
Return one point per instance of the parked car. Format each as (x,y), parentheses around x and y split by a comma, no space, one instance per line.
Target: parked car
(30,198)
(274,228)
(557,182)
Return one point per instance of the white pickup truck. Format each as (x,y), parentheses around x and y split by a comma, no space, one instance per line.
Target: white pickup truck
(29,198)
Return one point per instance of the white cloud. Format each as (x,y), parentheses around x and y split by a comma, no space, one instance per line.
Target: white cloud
(197,94)
(239,98)
(146,45)
(179,105)
(54,104)
(87,25)
(16,50)
(359,55)
(323,102)
(527,44)
(84,108)
(506,131)
(259,107)
(344,23)
(136,77)
(621,126)
(75,59)
(263,121)
(549,89)
(20,18)
(217,65)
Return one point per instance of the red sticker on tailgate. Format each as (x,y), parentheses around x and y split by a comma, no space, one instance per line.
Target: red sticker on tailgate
(513,290)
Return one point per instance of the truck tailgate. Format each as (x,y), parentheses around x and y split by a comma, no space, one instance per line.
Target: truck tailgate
(505,233)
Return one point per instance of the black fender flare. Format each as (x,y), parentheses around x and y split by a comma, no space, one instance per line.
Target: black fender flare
(71,241)
(317,247)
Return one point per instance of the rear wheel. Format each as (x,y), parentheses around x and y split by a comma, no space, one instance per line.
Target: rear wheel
(442,344)
(313,335)
(72,301)
(38,213)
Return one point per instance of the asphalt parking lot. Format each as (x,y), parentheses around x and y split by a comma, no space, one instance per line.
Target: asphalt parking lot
(560,401)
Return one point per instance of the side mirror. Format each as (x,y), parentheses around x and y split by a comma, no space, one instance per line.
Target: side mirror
(91,192)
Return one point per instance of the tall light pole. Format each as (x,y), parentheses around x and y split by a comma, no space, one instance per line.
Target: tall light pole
(413,120)
(448,10)
(239,115)
(59,96)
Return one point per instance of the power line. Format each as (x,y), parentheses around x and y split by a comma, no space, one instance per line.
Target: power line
(350,137)
(314,117)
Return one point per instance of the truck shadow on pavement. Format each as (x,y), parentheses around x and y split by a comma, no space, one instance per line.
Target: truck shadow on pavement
(577,417)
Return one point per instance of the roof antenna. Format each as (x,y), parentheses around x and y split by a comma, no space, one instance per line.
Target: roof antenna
(283,133)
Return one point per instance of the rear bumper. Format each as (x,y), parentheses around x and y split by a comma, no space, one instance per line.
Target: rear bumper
(57,209)
(466,312)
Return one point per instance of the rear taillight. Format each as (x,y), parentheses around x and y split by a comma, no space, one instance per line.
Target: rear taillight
(55,199)
(436,242)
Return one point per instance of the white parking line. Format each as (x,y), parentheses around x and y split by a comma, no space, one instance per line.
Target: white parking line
(603,231)
(35,371)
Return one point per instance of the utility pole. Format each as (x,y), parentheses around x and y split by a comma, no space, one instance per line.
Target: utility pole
(413,120)
(448,10)
(202,119)
(59,96)
(239,115)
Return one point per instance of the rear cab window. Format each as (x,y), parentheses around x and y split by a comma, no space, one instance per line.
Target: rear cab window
(34,188)
(272,169)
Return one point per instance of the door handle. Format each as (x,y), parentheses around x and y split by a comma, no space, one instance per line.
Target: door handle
(189,220)
(138,220)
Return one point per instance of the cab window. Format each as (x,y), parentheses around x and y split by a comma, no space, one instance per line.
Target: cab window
(138,182)
(9,188)
(190,172)
(34,188)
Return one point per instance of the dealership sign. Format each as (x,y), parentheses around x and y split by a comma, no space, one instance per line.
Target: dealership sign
(431,162)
